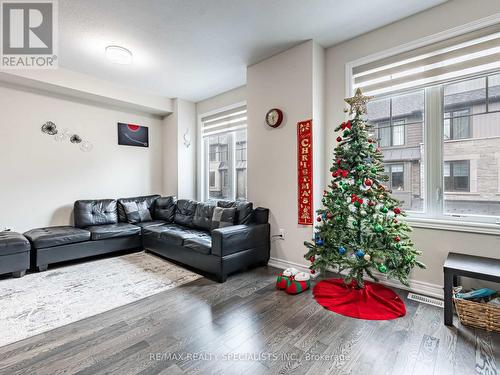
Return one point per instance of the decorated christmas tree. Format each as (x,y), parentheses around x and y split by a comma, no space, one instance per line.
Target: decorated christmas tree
(361,227)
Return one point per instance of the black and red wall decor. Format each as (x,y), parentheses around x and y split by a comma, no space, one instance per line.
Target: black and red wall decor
(305,172)
(133,135)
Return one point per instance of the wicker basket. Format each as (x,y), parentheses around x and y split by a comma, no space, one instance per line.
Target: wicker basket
(479,315)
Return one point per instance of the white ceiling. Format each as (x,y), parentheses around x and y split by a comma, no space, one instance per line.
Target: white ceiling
(194,49)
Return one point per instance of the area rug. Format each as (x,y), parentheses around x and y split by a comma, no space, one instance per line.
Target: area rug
(43,301)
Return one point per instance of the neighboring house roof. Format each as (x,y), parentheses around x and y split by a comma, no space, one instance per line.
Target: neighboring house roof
(411,104)
(401,154)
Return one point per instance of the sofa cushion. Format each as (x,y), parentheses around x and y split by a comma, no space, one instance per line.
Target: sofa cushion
(13,243)
(202,243)
(203,216)
(171,234)
(137,212)
(184,213)
(149,199)
(244,210)
(164,209)
(223,217)
(101,232)
(56,236)
(154,223)
(95,212)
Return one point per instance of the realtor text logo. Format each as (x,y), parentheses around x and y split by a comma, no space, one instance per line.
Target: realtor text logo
(29,34)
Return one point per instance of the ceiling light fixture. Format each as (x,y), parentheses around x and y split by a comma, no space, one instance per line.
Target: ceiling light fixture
(119,55)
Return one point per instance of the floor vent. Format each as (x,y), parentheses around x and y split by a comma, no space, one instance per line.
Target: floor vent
(425,299)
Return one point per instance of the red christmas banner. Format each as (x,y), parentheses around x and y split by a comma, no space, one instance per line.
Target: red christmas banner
(305,172)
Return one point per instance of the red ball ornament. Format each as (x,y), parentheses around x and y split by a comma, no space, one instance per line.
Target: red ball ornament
(339,139)
(345,172)
(313,272)
(370,140)
(371,203)
(360,201)
(318,219)
(339,161)
(312,259)
(368,182)
(395,221)
(329,215)
(397,238)
(397,210)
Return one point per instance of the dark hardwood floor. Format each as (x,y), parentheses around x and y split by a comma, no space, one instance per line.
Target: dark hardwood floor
(197,327)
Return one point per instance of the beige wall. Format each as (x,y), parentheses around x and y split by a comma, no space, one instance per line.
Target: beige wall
(179,161)
(284,81)
(41,178)
(434,243)
(225,99)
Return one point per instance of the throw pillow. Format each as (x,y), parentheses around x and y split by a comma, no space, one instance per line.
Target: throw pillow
(223,217)
(137,212)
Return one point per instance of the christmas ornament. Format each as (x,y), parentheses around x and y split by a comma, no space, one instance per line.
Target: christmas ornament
(329,215)
(360,168)
(397,238)
(318,218)
(359,253)
(368,182)
(312,259)
(367,257)
(346,133)
(358,103)
(342,250)
(384,210)
(339,139)
(397,210)
(382,268)
(319,242)
(378,228)
(373,170)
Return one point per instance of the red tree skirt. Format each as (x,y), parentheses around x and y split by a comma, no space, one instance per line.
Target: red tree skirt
(373,302)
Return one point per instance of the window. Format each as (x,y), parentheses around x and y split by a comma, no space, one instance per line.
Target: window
(456,175)
(212,179)
(396,176)
(456,124)
(398,122)
(224,144)
(447,167)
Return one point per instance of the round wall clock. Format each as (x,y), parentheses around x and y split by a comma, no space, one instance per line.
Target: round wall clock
(274,117)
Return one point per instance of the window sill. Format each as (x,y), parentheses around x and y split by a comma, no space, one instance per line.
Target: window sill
(454,225)
(470,193)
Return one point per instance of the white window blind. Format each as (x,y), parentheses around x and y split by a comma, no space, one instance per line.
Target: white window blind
(231,120)
(472,53)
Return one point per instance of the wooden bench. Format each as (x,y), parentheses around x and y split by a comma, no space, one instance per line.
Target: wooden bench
(468,266)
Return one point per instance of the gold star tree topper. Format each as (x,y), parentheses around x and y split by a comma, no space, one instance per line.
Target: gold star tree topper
(358,102)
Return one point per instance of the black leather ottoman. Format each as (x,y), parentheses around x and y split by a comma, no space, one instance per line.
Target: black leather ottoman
(14,253)
(43,240)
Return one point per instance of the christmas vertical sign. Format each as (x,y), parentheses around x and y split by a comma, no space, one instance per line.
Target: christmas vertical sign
(305,172)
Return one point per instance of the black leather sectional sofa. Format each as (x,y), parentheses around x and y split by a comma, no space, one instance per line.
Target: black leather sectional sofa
(180,230)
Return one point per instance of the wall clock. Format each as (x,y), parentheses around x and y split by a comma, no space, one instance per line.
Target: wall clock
(274,117)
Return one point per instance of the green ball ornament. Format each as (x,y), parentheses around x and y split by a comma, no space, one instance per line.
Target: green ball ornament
(359,182)
(346,133)
(397,246)
(373,170)
(382,268)
(339,219)
(357,204)
(378,228)
(360,168)
(370,146)
(384,209)
(354,223)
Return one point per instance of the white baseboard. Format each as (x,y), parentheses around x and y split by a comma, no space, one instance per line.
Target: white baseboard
(416,286)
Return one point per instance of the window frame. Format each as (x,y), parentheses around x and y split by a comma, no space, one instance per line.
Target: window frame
(433,188)
(202,180)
